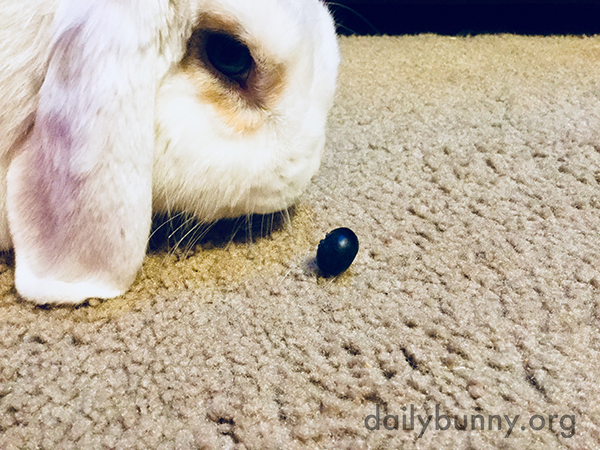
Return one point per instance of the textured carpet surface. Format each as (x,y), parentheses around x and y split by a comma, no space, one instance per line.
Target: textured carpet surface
(470,170)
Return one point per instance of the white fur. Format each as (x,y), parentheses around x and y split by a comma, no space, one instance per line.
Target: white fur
(101,122)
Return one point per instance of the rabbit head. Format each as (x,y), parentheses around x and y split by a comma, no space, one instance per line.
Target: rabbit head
(215,108)
(240,122)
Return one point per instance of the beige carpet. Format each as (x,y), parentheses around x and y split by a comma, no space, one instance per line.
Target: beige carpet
(470,170)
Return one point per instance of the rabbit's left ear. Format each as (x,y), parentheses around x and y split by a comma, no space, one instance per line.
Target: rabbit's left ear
(79,191)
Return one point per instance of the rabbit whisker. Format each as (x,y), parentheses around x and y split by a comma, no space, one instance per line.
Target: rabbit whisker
(187,249)
(239,222)
(205,228)
(356,13)
(287,220)
(166,222)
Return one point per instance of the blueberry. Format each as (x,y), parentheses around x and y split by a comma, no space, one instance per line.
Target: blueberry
(337,251)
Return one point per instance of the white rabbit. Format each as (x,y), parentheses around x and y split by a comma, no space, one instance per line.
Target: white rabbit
(110,109)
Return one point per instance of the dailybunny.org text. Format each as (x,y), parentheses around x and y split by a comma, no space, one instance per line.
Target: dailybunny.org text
(411,420)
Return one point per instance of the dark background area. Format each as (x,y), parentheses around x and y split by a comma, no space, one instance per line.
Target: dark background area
(467,17)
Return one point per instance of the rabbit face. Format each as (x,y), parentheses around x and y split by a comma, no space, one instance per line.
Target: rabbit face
(245,138)
(215,108)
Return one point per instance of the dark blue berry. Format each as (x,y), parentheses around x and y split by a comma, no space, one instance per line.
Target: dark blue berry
(337,251)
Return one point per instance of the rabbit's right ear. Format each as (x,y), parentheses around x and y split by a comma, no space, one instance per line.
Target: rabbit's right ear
(79,190)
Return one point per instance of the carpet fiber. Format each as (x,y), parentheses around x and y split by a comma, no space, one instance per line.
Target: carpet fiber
(469,168)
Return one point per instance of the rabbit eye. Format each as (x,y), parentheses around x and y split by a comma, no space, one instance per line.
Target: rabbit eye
(229,56)
(242,82)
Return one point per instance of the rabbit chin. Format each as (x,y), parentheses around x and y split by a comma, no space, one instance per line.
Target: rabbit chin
(215,167)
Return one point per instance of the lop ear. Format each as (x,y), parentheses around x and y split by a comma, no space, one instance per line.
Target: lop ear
(79,190)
